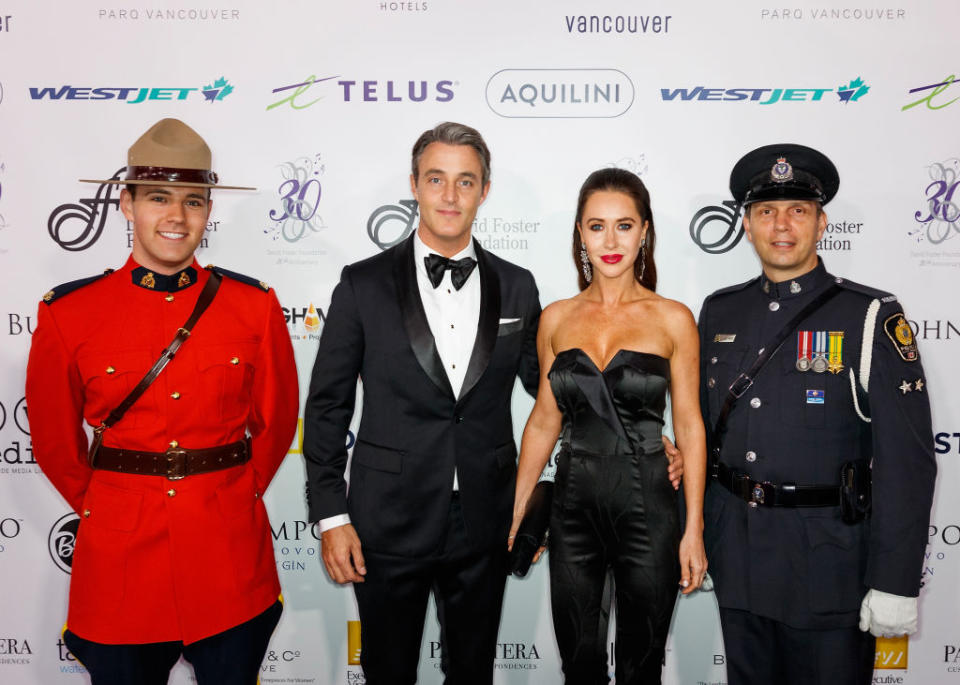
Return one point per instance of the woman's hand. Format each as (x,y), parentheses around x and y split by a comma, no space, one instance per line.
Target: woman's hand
(517,518)
(693,561)
(518,513)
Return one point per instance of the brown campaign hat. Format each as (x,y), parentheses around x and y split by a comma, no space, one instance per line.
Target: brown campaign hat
(170,153)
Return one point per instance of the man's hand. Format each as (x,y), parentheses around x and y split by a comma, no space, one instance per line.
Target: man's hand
(675,467)
(340,548)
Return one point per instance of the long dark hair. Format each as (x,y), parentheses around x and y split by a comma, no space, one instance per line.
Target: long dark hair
(628,183)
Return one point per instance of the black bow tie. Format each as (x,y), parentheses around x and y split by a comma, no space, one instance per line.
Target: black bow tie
(460,269)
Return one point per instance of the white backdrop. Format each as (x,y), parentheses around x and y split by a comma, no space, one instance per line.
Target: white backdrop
(319,102)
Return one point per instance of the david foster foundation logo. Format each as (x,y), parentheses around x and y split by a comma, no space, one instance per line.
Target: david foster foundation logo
(559,93)
(75,227)
(62,539)
(716,229)
(390,225)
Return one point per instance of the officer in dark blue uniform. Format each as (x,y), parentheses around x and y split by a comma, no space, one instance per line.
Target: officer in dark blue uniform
(796,549)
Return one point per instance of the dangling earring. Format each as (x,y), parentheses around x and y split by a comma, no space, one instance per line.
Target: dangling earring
(585,264)
(643,257)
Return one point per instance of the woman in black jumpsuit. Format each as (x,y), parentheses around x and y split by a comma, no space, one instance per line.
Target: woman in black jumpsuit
(608,358)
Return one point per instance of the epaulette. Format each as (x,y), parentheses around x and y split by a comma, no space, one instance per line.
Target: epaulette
(67,288)
(249,280)
(872,293)
(732,289)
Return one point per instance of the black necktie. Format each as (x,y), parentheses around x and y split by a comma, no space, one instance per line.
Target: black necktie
(460,269)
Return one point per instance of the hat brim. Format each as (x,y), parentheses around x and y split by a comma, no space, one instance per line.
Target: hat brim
(784,191)
(183,184)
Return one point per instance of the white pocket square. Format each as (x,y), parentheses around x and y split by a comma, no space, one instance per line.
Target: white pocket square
(503,321)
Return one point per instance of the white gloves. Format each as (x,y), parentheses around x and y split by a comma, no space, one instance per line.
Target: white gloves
(886,615)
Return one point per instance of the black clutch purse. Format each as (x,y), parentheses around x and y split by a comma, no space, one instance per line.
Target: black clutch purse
(532,533)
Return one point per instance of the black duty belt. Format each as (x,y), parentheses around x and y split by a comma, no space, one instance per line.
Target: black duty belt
(764,493)
(175,463)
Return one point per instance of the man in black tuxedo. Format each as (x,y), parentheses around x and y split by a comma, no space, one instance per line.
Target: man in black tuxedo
(437,329)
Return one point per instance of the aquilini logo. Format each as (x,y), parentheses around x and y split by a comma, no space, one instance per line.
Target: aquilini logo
(353,643)
(133,95)
(931,95)
(892,653)
(559,93)
(851,92)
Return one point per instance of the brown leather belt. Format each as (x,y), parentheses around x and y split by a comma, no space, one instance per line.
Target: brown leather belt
(176,462)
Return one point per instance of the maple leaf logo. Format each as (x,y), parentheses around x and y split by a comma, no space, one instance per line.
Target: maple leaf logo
(219,90)
(853,91)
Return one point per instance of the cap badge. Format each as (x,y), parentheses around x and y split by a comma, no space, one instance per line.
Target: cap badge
(781,171)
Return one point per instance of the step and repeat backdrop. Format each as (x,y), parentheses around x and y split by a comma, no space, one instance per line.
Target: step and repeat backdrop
(318,102)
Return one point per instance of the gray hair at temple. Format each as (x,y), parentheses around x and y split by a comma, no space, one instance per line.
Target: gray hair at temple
(452,133)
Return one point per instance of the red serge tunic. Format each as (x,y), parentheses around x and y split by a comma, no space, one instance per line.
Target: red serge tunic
(158,559)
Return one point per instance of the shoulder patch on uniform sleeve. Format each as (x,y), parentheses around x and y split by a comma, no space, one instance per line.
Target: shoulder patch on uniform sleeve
(249,280)
(67,288)
(901,335)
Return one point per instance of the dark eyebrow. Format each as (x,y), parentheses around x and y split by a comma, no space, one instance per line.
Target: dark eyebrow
(623,218)
(468,174)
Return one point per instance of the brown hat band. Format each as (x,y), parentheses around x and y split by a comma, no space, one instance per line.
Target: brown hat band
(171,175)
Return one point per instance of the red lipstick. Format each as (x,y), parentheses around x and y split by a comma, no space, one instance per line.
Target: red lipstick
(612,258)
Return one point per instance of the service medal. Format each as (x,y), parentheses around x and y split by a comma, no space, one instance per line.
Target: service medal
(804,339)
(836,352)
(819,363)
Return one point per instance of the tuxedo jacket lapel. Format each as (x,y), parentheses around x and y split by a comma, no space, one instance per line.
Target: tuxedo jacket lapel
(415,318)
(488,324)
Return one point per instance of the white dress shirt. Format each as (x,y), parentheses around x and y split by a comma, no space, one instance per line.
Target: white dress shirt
(453,316)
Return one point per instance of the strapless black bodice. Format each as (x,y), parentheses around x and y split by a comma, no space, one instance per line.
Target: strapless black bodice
(618,410)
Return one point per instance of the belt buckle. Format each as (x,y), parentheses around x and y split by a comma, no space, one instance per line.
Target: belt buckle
(758,493)
(176,463)
(740,385)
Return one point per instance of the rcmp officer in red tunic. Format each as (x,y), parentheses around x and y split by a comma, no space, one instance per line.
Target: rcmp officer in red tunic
(799,551)
(174,551)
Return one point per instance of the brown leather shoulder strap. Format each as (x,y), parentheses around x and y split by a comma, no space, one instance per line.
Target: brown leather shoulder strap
(206,297)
